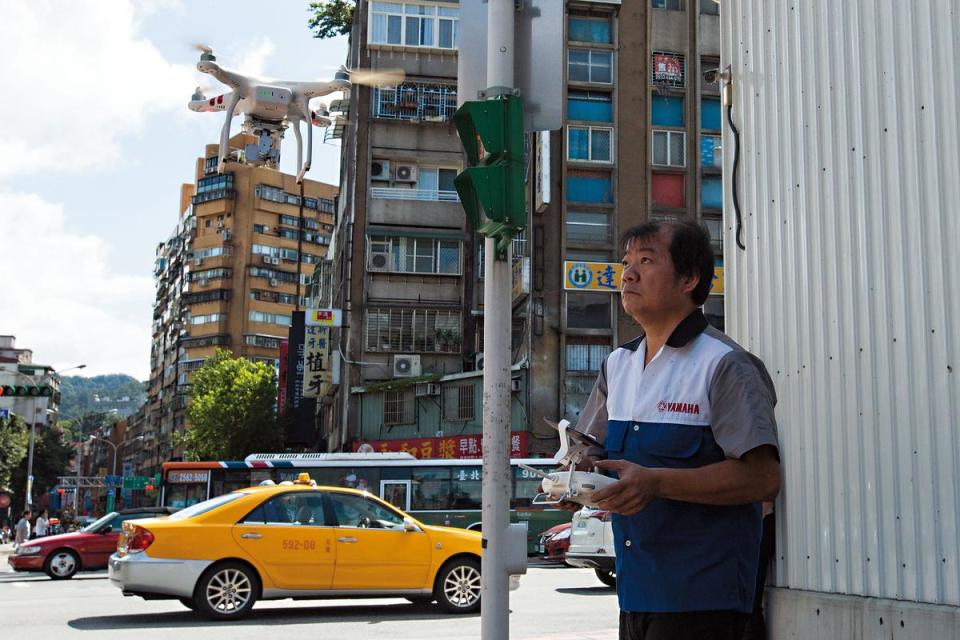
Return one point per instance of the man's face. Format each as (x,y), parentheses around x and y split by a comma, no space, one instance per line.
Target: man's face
(651,289)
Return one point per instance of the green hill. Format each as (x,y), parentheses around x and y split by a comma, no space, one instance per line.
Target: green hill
(116,392)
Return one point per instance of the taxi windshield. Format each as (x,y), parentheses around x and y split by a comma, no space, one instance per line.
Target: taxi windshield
(206,505)
(96,524)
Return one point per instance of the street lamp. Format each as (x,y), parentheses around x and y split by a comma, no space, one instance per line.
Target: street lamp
(33,429)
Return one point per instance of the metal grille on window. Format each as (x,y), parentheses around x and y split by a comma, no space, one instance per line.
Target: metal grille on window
(458,402)
(413,330)
(586,356)
(398,407)
(415,101)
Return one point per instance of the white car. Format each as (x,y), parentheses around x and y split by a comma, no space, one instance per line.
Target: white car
(591,544)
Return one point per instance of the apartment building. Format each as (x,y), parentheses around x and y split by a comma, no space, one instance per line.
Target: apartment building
(640,141)
(18,368)
(227,277)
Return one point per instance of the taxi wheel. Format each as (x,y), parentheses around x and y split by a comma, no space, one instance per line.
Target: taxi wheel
(457,588)
(62,564)
(226,591)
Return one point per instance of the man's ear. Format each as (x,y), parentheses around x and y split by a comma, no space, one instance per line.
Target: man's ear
(690,283)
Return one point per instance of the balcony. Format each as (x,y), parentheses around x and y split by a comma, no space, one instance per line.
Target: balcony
(423,195)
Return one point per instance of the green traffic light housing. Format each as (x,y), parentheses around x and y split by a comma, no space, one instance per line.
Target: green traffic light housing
(19,391)
(492,190)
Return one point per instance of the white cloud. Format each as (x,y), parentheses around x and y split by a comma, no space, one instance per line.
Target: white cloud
(60,298)
(254,58)
(77,77)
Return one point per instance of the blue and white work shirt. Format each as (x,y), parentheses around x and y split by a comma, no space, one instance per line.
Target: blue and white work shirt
(700,400)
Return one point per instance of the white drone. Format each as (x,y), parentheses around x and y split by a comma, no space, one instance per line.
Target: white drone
(270,106)
(567,484)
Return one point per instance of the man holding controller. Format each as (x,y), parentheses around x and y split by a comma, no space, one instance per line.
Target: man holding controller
(687,418)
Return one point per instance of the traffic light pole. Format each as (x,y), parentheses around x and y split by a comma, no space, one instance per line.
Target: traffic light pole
(495,593)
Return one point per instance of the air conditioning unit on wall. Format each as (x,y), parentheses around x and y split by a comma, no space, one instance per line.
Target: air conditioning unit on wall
(406,366)
(427,389)
(380,170)
(478,362)
(406,173)
(379,260)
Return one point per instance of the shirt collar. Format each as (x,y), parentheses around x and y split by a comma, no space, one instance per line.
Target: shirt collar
(688,329)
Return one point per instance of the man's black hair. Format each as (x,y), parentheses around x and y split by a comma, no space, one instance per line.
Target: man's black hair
(690,250)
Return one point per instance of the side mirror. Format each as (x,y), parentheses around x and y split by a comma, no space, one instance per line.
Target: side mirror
(410,525)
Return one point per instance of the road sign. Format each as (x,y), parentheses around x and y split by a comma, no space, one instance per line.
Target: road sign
(137,482)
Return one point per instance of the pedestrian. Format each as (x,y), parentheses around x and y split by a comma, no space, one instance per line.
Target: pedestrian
(42,525)
(22,530)
(687,418)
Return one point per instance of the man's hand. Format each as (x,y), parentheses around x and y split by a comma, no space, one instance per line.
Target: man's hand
(632,493)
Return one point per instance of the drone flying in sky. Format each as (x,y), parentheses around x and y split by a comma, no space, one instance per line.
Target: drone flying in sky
(270,106)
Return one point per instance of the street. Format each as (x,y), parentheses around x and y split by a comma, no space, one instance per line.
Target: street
(552,603)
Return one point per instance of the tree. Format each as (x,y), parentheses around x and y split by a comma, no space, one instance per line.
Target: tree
(51,458)
(231,412)
(331,18)
(14,442)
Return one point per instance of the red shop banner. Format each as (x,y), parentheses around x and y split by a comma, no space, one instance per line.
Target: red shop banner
(451,447)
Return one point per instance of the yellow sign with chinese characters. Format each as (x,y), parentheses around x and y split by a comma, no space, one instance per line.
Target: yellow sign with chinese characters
(605,276)
(592,276)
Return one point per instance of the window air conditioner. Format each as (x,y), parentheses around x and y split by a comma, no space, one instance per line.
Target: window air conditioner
(406,173)
(198,261)
(427,389)
(478,362)
(274,282)
(379,260)
(380,170)
(406,366)
(203,282)
(267,259)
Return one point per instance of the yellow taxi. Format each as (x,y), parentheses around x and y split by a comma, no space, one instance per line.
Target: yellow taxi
(295,540)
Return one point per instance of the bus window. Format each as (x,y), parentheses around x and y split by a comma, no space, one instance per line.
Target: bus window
(467,487)
(185,494)
(228,480)
(431,488)
(525,486)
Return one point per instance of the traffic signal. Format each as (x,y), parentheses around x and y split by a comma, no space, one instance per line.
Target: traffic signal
(20,390)
(492,188)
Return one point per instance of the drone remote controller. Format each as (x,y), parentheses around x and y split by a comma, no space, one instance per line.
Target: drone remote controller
(569,484)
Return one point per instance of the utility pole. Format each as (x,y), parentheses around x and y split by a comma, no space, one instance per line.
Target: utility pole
(495,594)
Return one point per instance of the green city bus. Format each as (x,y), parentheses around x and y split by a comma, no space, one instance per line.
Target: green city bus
(436,491)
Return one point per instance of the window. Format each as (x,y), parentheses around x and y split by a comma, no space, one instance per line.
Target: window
(466,488)
(667,111)
(273,194)
(584,354)
(298,509)
(588,310)
(413,330)
(669,148)
(668,70)
(710,114)
(670,5)
(261,228)
(588,227)
(715,227)
(413,255)
(518,246)
(210,164)
(209,274)
(214,188)
(436,179)
(210,252)
(458,402)
(414,25)
(431,488)
(590,144)
(590,65)
(587,186)
(270,318)
(667,190)
(710,7)
(398,407)
(591,106)
(354,511)
(711,192)
(207,319)
(415,101)
(583,29)
(711,151)
(260,340)
(705,64)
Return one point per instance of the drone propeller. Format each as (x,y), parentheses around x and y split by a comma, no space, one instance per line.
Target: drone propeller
(373,77)
(205,48)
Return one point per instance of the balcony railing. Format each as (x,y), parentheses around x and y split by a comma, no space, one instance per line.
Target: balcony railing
(390,193)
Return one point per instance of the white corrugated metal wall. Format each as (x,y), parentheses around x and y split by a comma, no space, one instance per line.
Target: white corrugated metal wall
(848,289)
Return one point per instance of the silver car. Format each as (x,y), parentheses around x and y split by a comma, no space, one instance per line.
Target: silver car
(591,544)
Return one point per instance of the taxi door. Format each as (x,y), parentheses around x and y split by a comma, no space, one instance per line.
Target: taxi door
(373,549)
(288,536)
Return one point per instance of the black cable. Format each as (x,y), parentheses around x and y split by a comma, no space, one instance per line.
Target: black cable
(736,164)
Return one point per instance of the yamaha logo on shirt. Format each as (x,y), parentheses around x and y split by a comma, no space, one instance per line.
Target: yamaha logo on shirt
(678,407)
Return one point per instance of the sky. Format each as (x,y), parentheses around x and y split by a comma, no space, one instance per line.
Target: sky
(96,143)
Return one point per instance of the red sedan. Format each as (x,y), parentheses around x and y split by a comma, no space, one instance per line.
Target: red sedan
(61,556)
(554,543)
